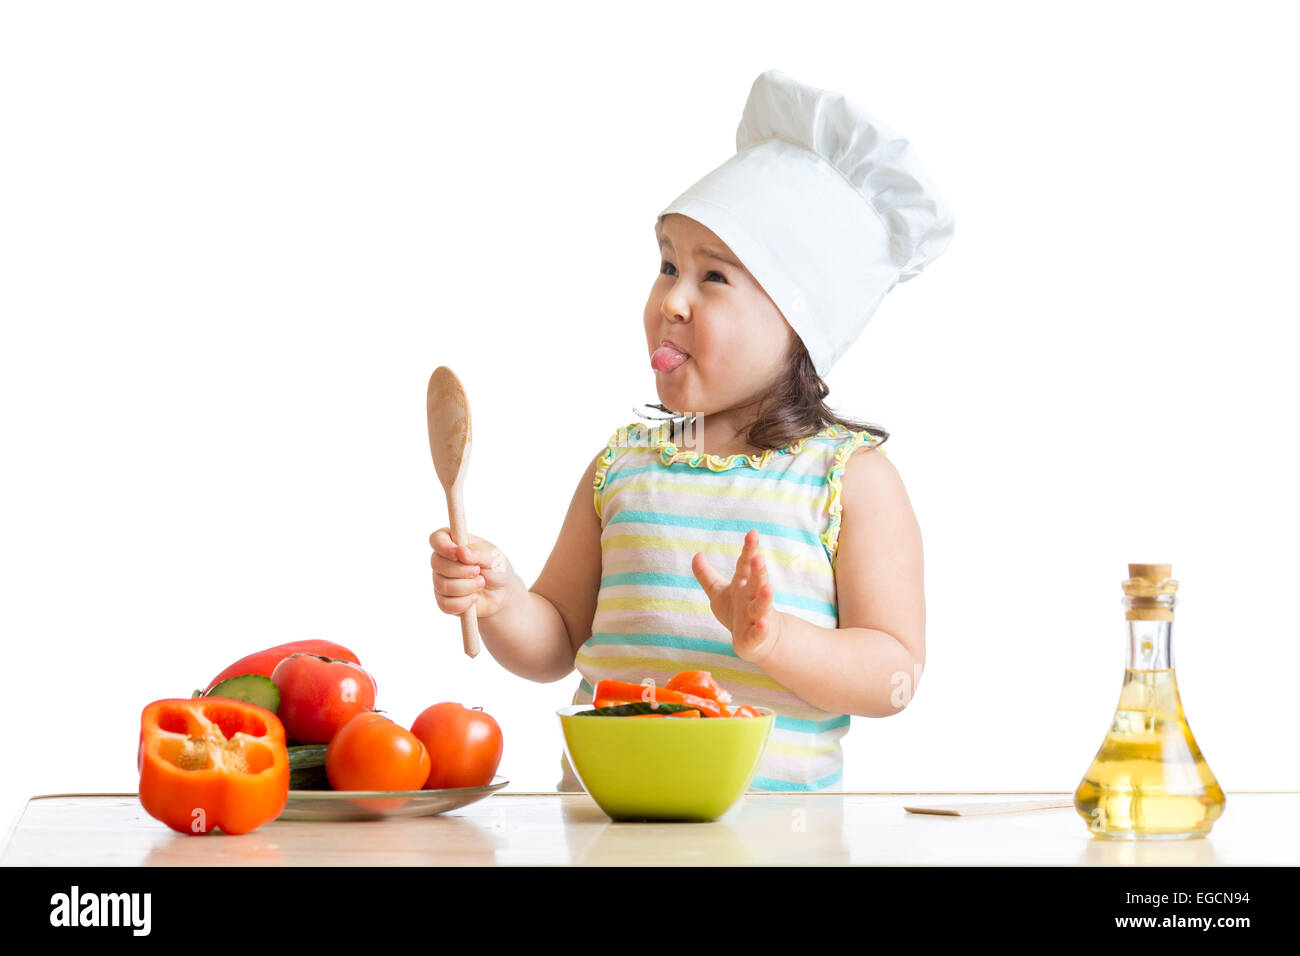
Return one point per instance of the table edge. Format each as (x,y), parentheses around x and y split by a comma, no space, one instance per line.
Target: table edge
(753,793)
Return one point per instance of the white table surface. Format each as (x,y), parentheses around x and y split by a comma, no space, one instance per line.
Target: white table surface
(1256,829)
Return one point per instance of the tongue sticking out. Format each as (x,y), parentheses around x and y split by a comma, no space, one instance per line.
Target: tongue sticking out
(666,358)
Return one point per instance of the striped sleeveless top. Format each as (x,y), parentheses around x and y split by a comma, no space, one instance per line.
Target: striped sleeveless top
(658,506)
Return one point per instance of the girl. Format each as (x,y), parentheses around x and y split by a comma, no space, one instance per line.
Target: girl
(758,535)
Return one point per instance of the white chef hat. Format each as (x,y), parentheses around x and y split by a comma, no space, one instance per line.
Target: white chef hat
(827,207)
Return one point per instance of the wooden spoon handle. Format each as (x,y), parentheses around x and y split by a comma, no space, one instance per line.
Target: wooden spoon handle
(469,632)
(459,534)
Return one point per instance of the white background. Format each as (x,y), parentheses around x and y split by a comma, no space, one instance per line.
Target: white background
(236,238)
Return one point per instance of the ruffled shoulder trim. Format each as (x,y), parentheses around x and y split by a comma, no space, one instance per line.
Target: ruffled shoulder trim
(625,436)
(835,479)
(670,455)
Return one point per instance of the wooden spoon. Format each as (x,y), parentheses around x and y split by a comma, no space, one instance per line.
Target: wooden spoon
(449,441)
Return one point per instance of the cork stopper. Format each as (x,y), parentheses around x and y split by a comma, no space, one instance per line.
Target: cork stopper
(1149,592)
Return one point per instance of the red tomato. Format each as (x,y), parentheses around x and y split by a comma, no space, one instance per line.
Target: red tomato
(464,745)
(318,695)
(263,662)
(372,752)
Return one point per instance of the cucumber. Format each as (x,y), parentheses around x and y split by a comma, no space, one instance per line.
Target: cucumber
(310,778)
(307,767)
(634,707)
(251,689)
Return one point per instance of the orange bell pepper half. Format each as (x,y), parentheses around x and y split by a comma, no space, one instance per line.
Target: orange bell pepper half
(624,691)
(210,762)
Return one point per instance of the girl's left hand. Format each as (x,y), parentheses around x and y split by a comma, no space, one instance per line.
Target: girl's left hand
(743,605)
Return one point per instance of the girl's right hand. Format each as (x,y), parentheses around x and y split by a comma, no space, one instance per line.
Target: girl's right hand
(477,575)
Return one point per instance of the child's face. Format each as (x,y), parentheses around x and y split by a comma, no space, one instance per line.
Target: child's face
(717,313)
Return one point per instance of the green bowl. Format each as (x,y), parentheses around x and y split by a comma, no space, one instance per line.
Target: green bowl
(671,769)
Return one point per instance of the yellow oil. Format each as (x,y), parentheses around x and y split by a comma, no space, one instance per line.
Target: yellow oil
(1149,780)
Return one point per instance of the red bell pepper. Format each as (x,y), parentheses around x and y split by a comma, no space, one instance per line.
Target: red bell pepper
(210,762)
(699,683)
(264,662)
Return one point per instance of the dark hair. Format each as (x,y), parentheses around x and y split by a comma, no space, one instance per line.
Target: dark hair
(795,406)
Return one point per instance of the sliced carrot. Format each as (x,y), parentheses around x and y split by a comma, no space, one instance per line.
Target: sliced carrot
(626,690)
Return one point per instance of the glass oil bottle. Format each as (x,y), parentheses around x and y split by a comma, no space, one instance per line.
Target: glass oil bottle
(1149,780)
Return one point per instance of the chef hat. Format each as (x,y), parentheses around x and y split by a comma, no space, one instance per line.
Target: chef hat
(827,207)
